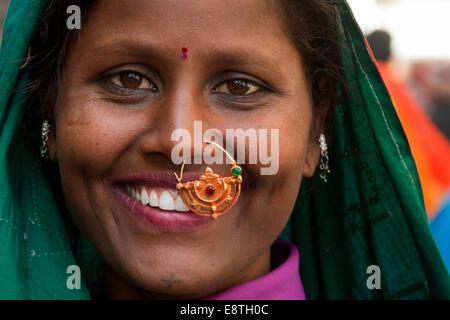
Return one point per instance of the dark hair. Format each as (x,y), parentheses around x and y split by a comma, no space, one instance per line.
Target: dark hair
(49,46)
(380,43)
(311,24)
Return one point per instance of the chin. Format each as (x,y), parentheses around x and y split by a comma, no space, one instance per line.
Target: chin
(159,273)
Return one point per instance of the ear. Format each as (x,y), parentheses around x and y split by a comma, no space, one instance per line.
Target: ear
(313,152)
(51,144)
(312,157)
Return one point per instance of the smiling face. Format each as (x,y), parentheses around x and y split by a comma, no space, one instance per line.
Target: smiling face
(127,88)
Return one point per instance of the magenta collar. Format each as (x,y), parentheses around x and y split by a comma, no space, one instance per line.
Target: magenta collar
(282,283)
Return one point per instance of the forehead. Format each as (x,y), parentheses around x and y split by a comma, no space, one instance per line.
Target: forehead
(204,25)
(189,18)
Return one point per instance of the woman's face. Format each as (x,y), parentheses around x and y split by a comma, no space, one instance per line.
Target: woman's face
(127,88)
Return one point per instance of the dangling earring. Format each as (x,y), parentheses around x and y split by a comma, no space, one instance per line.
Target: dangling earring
(45,132)
(324,168)
(211,195)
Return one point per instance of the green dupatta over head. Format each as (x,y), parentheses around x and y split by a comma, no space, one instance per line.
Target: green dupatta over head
(370,212)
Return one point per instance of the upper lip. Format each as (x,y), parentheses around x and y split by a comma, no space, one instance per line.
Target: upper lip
(160,179)
(157,179)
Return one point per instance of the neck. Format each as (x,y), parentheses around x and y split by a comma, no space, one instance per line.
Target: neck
(118,288)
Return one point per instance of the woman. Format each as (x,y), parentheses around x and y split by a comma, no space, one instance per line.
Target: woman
(112,94)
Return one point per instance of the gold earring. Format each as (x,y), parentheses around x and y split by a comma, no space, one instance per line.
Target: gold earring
(211,195)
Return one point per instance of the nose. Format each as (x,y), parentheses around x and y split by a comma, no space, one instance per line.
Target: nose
(181,115)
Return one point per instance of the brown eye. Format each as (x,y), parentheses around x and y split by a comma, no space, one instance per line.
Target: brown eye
(133,80)
(237,87)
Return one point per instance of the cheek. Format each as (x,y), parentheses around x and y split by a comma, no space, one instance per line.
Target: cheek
(275,195)
(91,136)
(283,186)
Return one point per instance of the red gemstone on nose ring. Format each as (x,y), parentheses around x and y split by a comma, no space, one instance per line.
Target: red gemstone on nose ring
(210,190)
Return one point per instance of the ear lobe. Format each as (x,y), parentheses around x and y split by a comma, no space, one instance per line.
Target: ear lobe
(51,147)
(312,159)
(314,151)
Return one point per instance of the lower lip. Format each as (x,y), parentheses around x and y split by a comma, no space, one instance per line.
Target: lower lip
(155,219)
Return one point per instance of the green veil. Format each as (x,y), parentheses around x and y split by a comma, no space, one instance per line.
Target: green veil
(370,212)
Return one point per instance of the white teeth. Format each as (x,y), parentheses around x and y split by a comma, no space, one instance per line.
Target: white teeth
(138,196)
(179,205)
(154,199)
(144,197)
(166,201)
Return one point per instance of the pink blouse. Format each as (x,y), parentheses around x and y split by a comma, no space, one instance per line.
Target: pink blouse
(282,283)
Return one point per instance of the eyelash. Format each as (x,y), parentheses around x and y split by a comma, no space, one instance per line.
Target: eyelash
(122,90)
(227,97)
(259,88)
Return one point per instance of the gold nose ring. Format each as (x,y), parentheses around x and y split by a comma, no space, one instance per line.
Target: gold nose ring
(211,195)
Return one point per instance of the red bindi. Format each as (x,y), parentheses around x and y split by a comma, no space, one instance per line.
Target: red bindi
(184,50)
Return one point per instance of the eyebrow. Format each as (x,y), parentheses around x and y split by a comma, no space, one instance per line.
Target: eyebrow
(247,58)
(126,48)
(219,57)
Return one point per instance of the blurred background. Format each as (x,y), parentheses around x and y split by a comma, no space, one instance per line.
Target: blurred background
(3,7)
(411,43)
(420,48)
